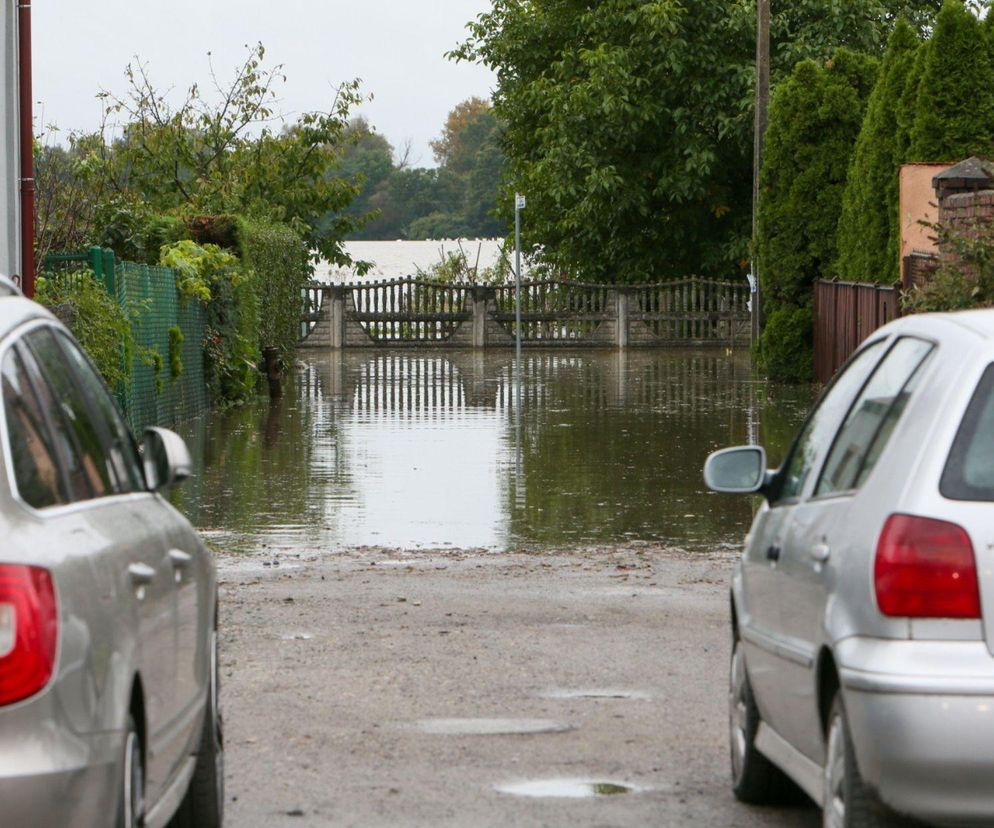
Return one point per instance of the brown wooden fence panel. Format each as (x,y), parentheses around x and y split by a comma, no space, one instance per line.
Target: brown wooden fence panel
(845,314)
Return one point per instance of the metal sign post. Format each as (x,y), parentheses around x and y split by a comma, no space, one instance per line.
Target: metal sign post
(519,205)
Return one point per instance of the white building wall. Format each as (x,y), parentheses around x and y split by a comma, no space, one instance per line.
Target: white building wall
(10,224)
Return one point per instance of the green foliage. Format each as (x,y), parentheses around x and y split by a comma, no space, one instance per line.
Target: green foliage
(869,228)
(278,260)
(96,319)
(954,117)
(786,351)
(629,124)
(463,266)
(214,276)
(814,120)
(232,155)
(965,279)
(176,340)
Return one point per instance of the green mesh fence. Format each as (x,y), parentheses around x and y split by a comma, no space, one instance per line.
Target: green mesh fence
(155,396)
(156,393)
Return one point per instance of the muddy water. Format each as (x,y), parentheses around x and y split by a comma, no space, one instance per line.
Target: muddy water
(460,450)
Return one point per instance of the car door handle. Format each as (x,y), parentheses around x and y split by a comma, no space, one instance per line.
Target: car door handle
(180,559)
(820,552)
(773,553)
(141,574)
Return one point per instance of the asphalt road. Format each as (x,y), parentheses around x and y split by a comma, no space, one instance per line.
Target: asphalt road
(338,671)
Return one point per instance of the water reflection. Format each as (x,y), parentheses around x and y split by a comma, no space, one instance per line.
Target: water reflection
(472,450)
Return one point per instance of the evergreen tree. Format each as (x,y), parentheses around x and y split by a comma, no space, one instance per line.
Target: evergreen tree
(869,232)
(815,118)
(954,117)
(908,105)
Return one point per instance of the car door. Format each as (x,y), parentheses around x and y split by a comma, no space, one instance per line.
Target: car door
(182,558)
(774,651)
(820,539)
(123,520)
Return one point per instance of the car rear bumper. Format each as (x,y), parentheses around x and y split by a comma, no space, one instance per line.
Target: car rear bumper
(922,721)
(54,778)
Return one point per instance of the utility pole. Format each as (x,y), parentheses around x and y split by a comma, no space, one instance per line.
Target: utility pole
(762,119)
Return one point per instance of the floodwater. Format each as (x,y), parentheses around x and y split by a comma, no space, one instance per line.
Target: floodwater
(423,450)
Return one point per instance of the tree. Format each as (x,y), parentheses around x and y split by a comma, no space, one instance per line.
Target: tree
(204,157)
(954,117)
(629,123)
(815,118)
(456,146)
(869,229)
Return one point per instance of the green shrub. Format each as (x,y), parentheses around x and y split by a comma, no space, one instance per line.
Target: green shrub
(786,350)
(869,230)
(814,119)
(964,281)
(176,340)
(278,261)
(96,319)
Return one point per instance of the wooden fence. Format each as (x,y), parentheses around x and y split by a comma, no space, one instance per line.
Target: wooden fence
(413,312)
(845,313)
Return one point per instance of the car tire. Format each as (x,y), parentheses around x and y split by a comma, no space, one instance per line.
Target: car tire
(755,779)
(203,805)
(848,803)
(131,807)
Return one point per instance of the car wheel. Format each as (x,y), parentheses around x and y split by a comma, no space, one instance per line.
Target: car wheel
(203,805)
(848,802)
(131,811)
(755,779)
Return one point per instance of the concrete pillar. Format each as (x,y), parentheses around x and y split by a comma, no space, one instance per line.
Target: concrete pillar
(479,300)
(336,295)
(621,297)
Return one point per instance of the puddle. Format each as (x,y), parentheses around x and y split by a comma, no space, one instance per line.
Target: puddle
(297,637)
(568,788)
(490,727)
(230,566)
(640,695)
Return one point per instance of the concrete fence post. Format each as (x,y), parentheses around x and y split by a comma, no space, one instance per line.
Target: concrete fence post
(479,297)
(337,298)
(621,297)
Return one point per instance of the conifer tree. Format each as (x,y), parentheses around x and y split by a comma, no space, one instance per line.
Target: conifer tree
(908,106)
(869,233)
(954,117)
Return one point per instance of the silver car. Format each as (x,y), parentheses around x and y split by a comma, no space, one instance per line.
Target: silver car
(109,709)
(863,605)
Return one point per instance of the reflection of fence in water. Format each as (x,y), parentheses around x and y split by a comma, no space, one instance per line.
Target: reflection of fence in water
(410,387)
(410,310)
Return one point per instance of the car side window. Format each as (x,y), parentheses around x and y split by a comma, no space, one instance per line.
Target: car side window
(121,450)
(32,447)
(86,431)
(872,418)
(824,420)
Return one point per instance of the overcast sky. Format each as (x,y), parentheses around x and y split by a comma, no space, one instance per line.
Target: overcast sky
(395,46)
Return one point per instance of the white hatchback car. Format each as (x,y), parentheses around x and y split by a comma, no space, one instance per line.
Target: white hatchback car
(863,605)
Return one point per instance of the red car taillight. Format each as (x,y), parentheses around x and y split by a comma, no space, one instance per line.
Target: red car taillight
(28,631)
(926,568)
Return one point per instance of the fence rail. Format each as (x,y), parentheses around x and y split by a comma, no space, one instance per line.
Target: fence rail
(845,313)
(553,313)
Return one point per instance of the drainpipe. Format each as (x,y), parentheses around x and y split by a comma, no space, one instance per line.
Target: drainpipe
(27,149)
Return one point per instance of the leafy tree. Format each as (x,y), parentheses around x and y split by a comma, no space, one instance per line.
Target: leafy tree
(815,118)
(457,144)
(629,123)
(869,229)
(204,157)
(954,117)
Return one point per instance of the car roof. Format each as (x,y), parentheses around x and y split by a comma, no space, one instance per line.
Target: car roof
(957,324)
(15,310)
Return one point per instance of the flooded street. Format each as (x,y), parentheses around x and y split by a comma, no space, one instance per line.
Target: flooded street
(453,450)
(453,595)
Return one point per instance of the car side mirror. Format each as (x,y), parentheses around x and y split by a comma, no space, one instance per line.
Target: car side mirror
(166,459)
(737,470)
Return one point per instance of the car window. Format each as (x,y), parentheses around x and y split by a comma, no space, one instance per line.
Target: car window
(32,447)
(824,420)
(872,418)
(88,433)
(120,448)
(969,472)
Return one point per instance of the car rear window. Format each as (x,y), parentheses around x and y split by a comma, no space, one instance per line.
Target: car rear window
(969,472)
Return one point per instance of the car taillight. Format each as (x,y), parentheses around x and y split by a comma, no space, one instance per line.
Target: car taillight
(28,631)
(926,568)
